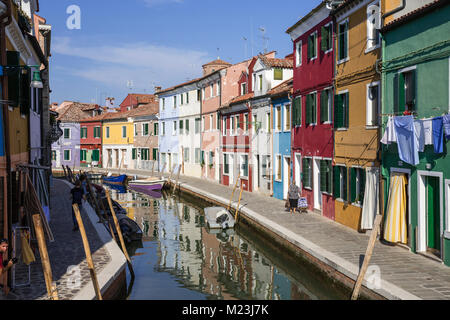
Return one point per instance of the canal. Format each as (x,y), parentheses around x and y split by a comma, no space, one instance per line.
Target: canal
(179,259)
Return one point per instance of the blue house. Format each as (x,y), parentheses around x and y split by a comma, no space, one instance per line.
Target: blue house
(281,137)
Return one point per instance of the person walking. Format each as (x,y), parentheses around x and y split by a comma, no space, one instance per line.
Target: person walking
(293,195)
(77,197)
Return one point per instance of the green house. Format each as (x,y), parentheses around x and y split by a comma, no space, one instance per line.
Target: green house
(416,79)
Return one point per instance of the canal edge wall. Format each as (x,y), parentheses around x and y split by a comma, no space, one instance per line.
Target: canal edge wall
(112,278)
(334,266)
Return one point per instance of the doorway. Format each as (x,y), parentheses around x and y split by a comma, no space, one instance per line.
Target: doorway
(256,180)
(316,185)
(286,176)
(297,166)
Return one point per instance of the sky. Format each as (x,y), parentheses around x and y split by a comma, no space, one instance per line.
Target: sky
(132,46)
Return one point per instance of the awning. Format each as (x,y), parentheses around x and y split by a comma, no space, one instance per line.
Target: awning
(395,223)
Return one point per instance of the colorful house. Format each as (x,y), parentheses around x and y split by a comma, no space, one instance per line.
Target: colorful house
(135,100)
(67,149)
(91,141)
(146,130)
(356,109)
(312,116)
(267,73)
(416,80)
(212,86)
(118,139)
(280,97)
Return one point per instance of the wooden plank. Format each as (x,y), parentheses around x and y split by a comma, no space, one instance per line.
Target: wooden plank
(51,290)
(367,257)
(87,250)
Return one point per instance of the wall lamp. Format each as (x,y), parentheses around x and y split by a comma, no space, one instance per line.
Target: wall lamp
(35,83)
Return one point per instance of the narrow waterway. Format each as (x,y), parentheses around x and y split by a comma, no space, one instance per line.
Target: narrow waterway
(179,259)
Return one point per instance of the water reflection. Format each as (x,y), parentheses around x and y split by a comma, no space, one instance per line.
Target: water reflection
(180,259)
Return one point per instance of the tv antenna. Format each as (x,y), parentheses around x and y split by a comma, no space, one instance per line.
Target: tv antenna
(245,46)
(264,38)
(130,85)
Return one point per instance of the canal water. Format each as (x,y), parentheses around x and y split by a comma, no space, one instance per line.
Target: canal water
(179,259)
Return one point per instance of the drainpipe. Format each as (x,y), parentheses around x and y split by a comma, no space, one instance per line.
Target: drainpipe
(272,159)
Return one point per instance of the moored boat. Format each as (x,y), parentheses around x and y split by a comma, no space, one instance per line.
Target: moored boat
(150,184)
(115,179)
(218,218)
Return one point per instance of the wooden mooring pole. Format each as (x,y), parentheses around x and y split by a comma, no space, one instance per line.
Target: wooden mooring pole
(46,267)
(232,194)
(119,233)
(87,250)
(367,257)
(239,203)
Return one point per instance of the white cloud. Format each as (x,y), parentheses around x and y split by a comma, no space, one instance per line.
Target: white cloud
(141,62)
(151,3)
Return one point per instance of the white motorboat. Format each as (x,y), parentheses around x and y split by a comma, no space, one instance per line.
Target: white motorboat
(219,218)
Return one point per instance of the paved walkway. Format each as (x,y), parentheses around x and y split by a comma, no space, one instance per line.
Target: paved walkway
(404,275)
(67,250)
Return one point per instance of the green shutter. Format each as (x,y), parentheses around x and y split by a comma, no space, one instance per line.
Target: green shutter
(314,108)
(323,175)
(96,155)
(13,58)
(310,54)
(362,187)
(353,187)
(324,106)
(308,110)
(278,74)
(133,154)
(345,189)
(297,116)
(324,40)
(346,107)
(336,182)
(337,111)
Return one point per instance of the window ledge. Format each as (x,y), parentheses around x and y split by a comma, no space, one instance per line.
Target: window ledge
(342,129)
(308,188)
(371,127)
(359,205)
(328,51)
(343,61)
(327,122)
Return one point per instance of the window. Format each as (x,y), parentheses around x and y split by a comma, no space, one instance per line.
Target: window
(197,125)
(163,103)
(186,154)
(357,185)
(83,133)
(135,130)
(327,38)
(278,168)
(325,106)
(155,153)
(96,155)
(340,183)
(341,104)
(203,124)
(211,157)
(226,164)
(244,165)
(82,155)
(373,104)
(243,88)
(199,95)
(67,155)
(297,112)
(53,155)
(181,99)
(97,132)
(186,129)
(197,155)
(133,154)
(145,154)
(217,88)
(233,120)
(212,90)
(311,109)
(218,121)
(107,132)
(260,82)
(163,128)
(265,167)
(211,122)
(254,124)
(312,46)
(373,34)
(66,133)
(278,118)
(224,126)
(246,123)
(325,176)
(343,41)
(124,131)
(174,102)
(155,129)
(298,54)
(405,91)
(187,97)
(145,130)
(203,93)
(268,123)
(181,127)
(238,124)
(277,74)
(307,169)
(287,117)
(174,128)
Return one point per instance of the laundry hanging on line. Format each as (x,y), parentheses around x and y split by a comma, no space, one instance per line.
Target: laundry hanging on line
(406,139)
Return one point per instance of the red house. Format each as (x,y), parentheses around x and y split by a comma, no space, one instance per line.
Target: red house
(91,141)
(312,131)
(133,101)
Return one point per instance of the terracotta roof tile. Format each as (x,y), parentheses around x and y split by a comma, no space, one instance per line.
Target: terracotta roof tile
(287,63)
(218,61)
(285,87)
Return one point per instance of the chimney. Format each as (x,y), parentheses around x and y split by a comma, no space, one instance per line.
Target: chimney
(157,89)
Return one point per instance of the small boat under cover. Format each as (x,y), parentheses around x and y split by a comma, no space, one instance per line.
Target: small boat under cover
(219,218)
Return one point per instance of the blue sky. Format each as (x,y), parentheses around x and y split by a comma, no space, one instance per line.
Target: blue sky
(157,42)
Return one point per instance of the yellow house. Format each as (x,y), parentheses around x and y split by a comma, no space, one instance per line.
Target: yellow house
(357,107)
(118,139)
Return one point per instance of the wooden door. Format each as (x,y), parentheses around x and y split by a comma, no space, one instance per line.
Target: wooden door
(433,214)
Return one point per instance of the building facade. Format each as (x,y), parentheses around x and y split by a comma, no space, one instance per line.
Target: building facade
(146,129)
(118,139)
(312,125)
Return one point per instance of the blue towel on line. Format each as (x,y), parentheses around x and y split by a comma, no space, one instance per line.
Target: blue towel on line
(406,140)
(438,135)
(446,119)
